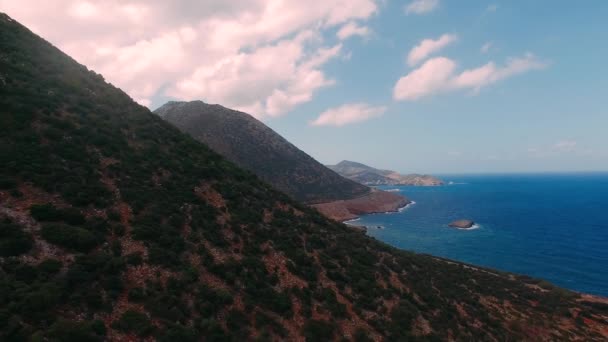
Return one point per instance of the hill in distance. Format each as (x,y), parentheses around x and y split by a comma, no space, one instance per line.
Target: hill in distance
(116,226)
(368,175)
(249,143)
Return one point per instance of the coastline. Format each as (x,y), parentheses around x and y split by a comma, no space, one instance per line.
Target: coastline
(377,201)
(349,222)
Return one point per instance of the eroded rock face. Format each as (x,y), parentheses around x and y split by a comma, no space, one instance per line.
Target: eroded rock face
(375,202)
(462,224)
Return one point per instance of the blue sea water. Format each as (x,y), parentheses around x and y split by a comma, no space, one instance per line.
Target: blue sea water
(549,226)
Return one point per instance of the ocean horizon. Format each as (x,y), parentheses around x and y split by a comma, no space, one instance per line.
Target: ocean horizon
(546,225)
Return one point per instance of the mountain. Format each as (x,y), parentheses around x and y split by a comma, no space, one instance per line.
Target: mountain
(116,226)
(249,143)
(368,175)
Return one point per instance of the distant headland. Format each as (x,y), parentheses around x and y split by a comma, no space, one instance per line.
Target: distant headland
(368,175)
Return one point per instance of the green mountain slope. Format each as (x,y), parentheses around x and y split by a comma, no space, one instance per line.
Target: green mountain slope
(116,226)
(254,146)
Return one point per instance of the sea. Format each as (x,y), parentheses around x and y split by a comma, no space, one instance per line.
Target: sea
(548,226)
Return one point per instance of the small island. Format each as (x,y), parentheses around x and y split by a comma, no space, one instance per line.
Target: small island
(462,224)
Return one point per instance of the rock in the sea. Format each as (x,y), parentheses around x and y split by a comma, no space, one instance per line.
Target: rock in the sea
(462,224)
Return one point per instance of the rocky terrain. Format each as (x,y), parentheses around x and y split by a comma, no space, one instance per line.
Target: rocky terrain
(371,176)
(375,202)
(116,226)
(463,224)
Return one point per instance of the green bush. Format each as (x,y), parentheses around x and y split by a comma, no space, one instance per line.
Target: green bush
(135,322)
(179,333)
(45,212)
(49,266)
(70,331)
(49,213)
(315,330)
(13,240)
(69,237)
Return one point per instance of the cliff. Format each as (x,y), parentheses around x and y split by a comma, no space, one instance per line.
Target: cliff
(375,202)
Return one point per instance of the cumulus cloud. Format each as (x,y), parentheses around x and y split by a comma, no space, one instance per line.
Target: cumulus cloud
(352,29)
(429,46)
(266,56)
(421,6)
(348,114)
(439,75)
(432,77)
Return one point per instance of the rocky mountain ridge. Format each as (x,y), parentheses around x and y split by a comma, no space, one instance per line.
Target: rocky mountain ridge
(368,175)
(249,143)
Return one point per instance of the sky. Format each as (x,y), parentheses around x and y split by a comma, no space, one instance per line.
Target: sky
(429,86)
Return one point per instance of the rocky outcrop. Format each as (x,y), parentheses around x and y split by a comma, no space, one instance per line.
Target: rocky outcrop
(375,202)
(462,224)
(367,175)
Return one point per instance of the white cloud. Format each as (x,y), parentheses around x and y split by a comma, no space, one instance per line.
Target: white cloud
(433,76)
(421,6)
(201,49)
(565,145)
(438,75)
(429,46)
(485,48)
(352,29)
(83,10)
(490,73)
(348,114)
(270,80)
(492,8)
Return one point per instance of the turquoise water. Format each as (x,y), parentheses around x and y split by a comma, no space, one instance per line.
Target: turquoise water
(549,226)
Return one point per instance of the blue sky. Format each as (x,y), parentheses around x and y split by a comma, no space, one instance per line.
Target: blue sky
(554,119)
(437,86)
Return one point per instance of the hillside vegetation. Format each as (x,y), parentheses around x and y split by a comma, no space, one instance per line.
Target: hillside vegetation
(114,225)
(247,142)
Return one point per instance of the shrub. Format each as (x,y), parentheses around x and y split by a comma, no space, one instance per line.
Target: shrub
(68,331)
(13,240)
(69,237)
(315,330)
(179,333)
(45,212)
(133,321)
(134,259)
(137,294)
(49,213)
(49,266)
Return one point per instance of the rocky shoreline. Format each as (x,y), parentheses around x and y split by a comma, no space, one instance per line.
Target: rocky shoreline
(376,201)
